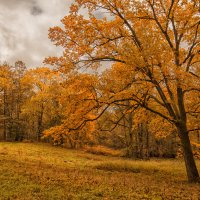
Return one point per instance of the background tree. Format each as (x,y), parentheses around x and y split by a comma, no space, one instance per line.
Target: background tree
(41,110)
(5,84)
(13,96)
(78,107)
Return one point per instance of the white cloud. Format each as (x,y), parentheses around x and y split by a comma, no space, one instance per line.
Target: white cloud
(24,28)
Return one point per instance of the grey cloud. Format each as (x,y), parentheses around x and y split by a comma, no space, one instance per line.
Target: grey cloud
(99,15)
(15,4)
(24,28)
(35,10)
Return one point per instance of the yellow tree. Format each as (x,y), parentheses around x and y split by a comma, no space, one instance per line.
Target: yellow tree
(158,41)
(41,109)
(6,85)
(79,108)
(13,96)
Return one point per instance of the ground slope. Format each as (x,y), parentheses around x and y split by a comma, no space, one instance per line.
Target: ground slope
(38,171)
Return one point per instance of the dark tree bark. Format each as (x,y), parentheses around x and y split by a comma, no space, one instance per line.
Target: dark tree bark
(131,150)
(4,113)
(147,142)
(191,168)
(40,123)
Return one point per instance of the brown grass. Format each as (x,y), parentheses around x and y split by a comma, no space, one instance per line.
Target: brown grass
(39,171)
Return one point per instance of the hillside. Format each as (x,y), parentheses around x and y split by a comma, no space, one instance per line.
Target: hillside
(40,171)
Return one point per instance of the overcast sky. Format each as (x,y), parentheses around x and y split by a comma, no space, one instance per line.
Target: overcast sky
(24,28)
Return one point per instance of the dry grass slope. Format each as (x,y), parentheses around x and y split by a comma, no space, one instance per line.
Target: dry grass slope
(39,171)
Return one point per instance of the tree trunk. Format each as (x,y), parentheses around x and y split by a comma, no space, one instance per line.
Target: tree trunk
(131,151)
(4,130)
(4,113)
(147,142)
(191,168)
(140,139)
(40,123)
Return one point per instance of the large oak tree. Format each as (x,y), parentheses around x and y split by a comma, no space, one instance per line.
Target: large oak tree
(156,43)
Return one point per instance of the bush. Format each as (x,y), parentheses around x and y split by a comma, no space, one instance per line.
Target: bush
(102,150)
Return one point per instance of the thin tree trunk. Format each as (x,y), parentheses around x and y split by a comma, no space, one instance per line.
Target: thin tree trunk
(191,168)
(140,141)
(4,113)
(131,151)
(4,130)
(147,142)
(40,123)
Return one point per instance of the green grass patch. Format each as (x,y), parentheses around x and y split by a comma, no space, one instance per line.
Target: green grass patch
(157,167)
(127,166)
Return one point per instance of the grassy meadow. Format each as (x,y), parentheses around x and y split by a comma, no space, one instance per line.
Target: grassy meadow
(39,171)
